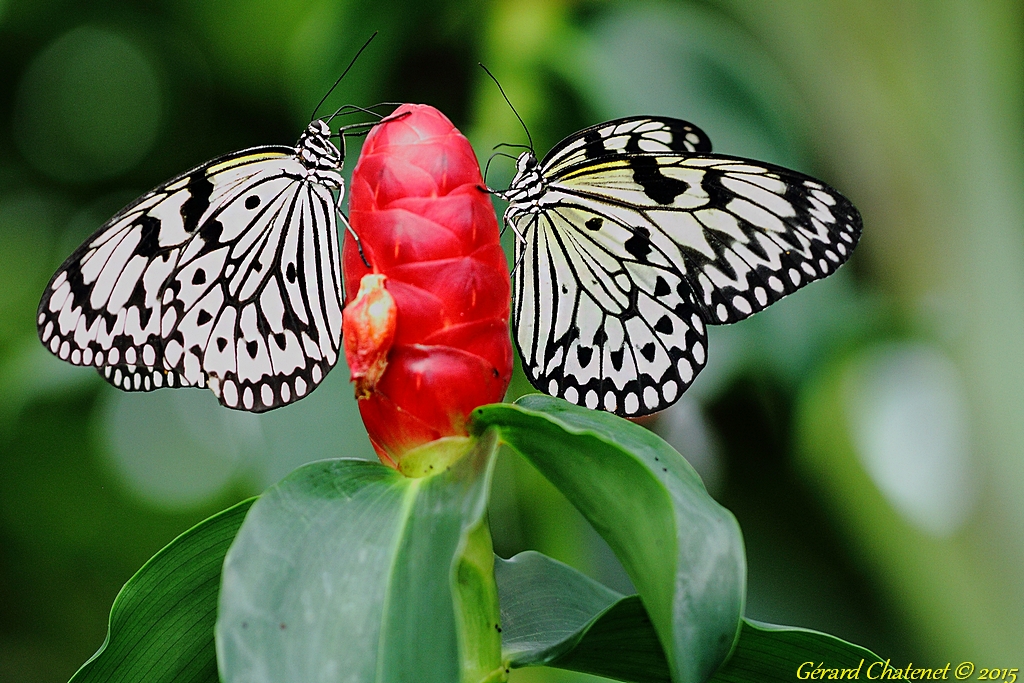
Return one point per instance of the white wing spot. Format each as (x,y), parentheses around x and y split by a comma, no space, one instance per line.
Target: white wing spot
(632,403)
(591,399)
(571,395)
(807,268)
(87,357)
(553,388)
(148,355)
(316,374)
(669,389)
(247,398)
(698,323)
(723,313)
(158,380)
(65,349)
(99,358)
(113,356)
(76,357)
(230,393)
(300,387)
(129,355)
(741,304)
(172,354)
(698,353)
(609,401)
(776,284)
(650,397)
(794,277)
(761,296)
(147,383)
(823,197)
(267,394)
(685,370)
(286,392)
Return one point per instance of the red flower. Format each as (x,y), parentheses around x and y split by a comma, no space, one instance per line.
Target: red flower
(427,226)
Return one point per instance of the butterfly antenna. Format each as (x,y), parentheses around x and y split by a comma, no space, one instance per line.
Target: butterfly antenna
(510,144)
(509,102)
(346,109)
(367,125)
(350,65)
(488,165)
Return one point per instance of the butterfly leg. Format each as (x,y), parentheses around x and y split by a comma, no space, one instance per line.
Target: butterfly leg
(520,244)
(348,227)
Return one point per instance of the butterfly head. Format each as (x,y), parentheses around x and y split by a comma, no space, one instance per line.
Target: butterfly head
(317,153)
(528,184)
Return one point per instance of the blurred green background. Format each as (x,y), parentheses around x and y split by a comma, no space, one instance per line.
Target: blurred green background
(868,432)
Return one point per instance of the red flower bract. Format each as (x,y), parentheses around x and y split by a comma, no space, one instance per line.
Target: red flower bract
(425,223)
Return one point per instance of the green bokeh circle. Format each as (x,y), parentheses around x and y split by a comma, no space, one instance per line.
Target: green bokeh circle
(88,107)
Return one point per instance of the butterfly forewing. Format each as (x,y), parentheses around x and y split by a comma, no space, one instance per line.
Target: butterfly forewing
(635,237)
(625,136)
(745,234)
(227,276)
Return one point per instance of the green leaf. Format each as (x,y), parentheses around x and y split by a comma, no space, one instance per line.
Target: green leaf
(161,624)
(682,550)
(553,615)
(349,570)
(767,653)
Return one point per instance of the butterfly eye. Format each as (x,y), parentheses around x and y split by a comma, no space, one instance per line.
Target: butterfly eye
(531,162)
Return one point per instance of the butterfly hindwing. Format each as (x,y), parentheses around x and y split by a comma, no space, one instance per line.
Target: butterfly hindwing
(227,276)
(632,227)
(599,327)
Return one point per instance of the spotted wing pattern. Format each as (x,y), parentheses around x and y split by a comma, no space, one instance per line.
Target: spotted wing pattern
(627,256)
(636,134)
(227,276)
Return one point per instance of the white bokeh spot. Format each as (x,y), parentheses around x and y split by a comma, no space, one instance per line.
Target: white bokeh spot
(908,417)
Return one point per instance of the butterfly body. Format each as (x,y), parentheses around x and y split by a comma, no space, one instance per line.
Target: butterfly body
(225,277)
(633,237)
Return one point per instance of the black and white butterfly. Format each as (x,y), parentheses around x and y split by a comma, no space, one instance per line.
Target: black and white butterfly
(227,276)
(632,237)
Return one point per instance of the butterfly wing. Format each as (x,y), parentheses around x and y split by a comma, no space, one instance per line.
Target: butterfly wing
(635,134)
(743,233)
(656,244)
(226,276)
(597,326)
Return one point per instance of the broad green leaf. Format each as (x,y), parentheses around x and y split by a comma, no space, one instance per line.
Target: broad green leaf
(682,550)
(767,653)
(161,624)
(347,570)
(553,615)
